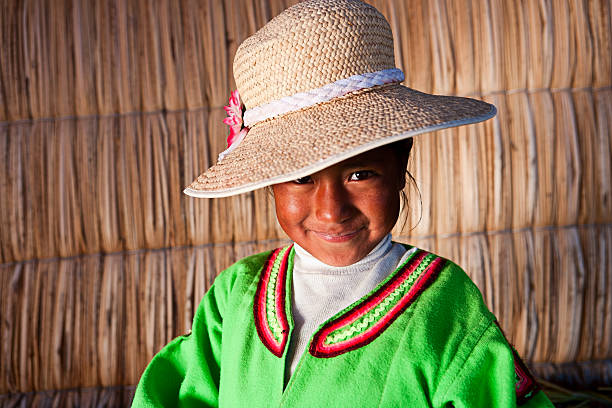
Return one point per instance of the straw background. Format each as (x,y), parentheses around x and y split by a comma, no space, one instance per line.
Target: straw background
(108,109)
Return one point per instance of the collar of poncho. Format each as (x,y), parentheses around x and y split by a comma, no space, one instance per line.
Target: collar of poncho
(353,327)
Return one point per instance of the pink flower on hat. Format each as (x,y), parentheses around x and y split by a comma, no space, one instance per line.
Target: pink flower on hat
(234,120)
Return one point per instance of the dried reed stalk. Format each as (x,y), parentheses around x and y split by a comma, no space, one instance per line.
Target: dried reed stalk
(196,157)
(83,41)
(243,213)
(471,144)
(590,198)
(217,65)
(563,46)
(107,195)
(571,295)
(445,217)
(85,158)
(539,25)
(515,47)
(193,78)
(489,44)
(13,231)
(442,62)
(414,38)
(600,25)
(546,292)
(103,58)
(14,102)
(567,159)
(582,38)
(61,60)
(504,291)
(603,114)
(545,211)
(523,160)
(168,18)
(498,168)
(461,15)
(526,323)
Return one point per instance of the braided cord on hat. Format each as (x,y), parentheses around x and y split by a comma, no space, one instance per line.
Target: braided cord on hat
(325,93)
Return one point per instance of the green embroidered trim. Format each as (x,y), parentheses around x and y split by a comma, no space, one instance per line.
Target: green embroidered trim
(271,312)
(366,321)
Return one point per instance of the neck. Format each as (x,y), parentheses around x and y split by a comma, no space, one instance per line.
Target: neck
(312,263)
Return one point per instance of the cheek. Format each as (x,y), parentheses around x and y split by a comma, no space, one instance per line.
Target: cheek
(383,209)
(291,208)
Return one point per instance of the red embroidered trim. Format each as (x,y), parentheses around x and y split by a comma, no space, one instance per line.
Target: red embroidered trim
(318,348)
(264,329)
(525,386)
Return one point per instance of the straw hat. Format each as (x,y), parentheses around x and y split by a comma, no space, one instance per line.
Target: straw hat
(319,85)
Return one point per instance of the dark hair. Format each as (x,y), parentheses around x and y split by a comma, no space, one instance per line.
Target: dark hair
(402,149)
(402,146)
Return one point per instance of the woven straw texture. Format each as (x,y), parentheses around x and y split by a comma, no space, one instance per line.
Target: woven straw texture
(295,54)
(108,109)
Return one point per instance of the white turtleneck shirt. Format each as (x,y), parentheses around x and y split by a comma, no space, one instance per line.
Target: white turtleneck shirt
(320,290)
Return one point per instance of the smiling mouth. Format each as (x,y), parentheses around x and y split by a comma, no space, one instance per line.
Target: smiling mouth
(337,237)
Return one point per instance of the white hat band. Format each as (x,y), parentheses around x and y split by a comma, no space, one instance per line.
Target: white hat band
(325,93)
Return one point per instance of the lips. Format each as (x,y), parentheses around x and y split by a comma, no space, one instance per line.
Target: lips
(342,236)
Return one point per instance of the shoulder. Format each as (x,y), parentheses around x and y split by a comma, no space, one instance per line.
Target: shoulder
(450,311)
(450,292)
(466,340)
(457,302)
(454,290)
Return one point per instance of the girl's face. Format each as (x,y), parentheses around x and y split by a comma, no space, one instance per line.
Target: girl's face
(342,212)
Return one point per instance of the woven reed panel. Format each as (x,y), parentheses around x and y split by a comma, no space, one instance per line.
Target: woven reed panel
(108,110)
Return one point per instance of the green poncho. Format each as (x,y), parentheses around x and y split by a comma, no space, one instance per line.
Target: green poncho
(421,338)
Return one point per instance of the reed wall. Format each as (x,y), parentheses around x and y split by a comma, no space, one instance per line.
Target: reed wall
(108,109)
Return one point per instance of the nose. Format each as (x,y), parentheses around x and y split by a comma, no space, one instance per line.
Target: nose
(332,202)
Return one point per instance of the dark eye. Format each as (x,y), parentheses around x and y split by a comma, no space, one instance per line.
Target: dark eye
(361,175)
(302,180)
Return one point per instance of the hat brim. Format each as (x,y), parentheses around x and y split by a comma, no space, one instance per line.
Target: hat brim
(301,143)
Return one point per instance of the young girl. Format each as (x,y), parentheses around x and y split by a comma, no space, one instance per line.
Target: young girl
(343,317)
